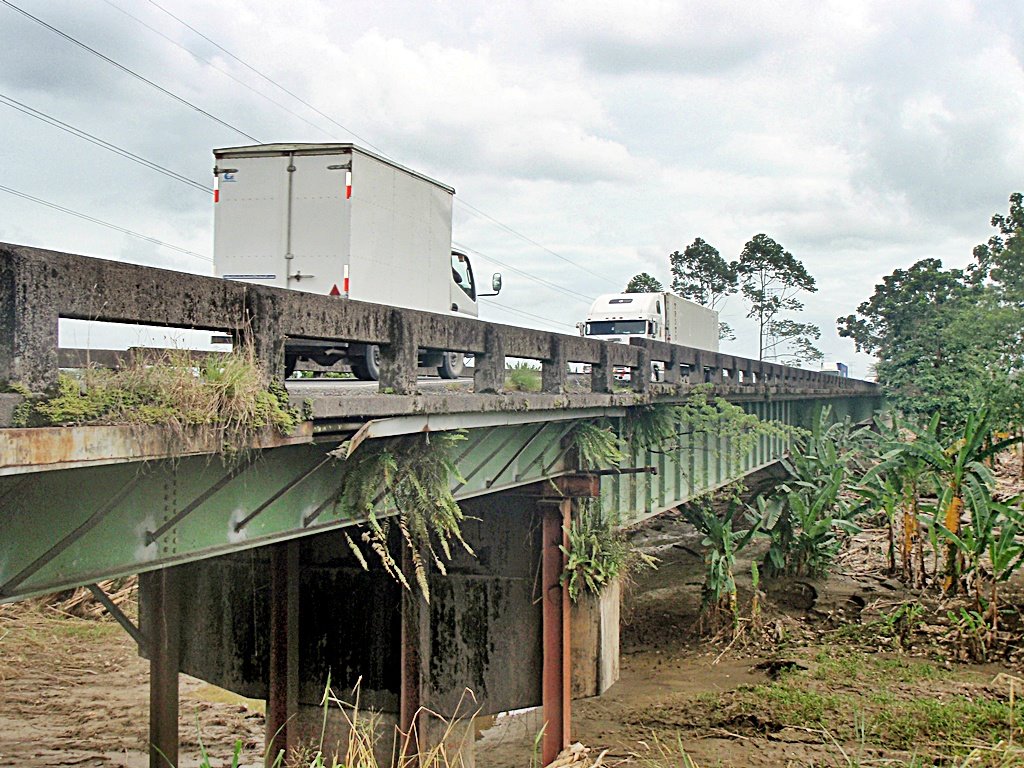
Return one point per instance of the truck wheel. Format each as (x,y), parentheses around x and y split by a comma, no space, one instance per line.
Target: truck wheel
(451,365)
(367,367)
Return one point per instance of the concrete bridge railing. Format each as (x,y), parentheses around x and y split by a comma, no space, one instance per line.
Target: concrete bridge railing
(38,286)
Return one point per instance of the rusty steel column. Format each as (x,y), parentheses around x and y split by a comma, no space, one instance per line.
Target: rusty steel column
(283,678)
(164,634)
(555,683)
(409,693)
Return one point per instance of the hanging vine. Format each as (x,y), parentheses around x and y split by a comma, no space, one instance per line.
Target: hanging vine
(412,475)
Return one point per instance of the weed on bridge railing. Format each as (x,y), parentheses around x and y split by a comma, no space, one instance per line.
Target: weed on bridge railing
(222,394)
(412,475)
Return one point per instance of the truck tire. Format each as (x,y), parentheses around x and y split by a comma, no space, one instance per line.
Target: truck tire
(367,367)
(451,365)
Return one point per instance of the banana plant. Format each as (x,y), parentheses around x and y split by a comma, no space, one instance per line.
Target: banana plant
(721,544)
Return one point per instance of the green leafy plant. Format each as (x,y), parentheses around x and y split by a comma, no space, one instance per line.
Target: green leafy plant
(227,393)
(599,552)
(596,444)
(721,545)
(412,475)
(805,516)
(523,377)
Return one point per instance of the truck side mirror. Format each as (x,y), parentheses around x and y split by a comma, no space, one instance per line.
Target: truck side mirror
(496,282)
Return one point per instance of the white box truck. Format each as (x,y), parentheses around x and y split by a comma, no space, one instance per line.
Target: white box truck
(339,220)
(660,316)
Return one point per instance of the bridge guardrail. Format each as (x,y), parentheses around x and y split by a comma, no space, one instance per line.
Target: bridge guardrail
(39,286)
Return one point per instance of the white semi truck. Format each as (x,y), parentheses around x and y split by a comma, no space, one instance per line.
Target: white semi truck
(339,220)
(660,316)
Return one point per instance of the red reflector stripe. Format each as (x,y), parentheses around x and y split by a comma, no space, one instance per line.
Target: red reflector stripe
(346,285)
(216,195)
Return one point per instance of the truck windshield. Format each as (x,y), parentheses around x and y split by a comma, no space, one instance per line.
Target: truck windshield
(616,327)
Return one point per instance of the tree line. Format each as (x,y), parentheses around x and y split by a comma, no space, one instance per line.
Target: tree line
(768,277)
(949,341)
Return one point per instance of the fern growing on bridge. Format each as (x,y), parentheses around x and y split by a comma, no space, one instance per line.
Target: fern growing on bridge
(411,475)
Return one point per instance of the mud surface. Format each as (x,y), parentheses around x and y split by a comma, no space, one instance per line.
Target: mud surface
(822,681)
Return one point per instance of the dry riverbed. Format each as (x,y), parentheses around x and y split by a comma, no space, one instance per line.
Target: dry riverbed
(827,679)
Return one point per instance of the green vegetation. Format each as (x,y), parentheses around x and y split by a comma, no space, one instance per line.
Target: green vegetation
(771,280)
(948,341)
(224,392)
(644,283)
(806,516)
(894,716)
(522,377)
(412,475)
(599,552)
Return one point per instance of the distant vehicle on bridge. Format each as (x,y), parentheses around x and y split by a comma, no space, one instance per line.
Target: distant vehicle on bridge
(661,316)
(842,370)
(339,220)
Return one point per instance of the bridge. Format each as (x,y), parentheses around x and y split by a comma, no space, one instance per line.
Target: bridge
(247,579)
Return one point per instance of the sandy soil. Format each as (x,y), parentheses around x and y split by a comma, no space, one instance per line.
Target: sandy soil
(73,692)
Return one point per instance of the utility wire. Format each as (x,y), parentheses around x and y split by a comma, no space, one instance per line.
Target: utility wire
(269,79)
(128,71)
(78,132)
(532,242)
(94,220)
(545,320)
(223,71)
(554,286)
(476,211)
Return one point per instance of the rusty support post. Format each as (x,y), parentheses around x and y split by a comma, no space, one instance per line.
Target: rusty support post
(164,633)
(283,677)
(409,693)
(555,691)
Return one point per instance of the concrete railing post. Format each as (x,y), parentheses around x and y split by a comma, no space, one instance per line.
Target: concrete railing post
(399,357)
(261,330)
(673,368)
(640,377)
(28,326)
(554,372)
(489,367)
(697,369)
(602,373)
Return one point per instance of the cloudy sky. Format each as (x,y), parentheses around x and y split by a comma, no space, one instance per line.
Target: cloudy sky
(594,137)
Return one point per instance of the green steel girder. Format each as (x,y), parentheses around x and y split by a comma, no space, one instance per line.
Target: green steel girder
(705,462)
(75,526)
(67,527)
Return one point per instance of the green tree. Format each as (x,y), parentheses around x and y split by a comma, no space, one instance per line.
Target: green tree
(791,343)
(644,283)
(700,274)
(771,279)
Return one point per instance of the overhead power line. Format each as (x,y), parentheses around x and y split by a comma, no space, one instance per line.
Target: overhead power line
(78,132)
(223,71)
(107,224)
(367,142)
(128,71)
(523,313)
(532,242)
(269,79)
(547,283)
